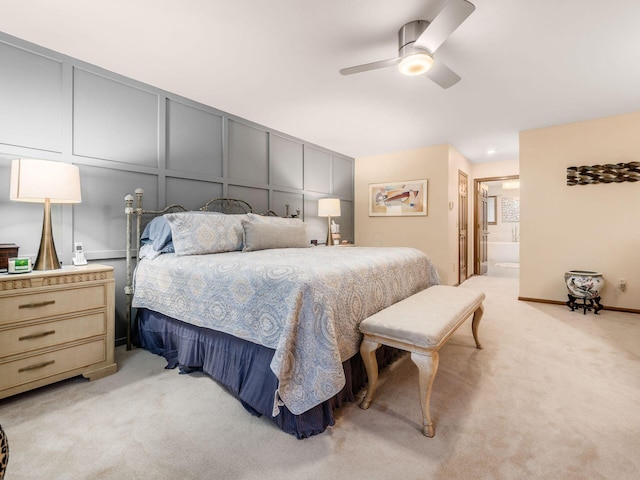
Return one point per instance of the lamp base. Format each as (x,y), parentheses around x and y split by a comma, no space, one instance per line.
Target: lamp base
(47,258)
(329,239)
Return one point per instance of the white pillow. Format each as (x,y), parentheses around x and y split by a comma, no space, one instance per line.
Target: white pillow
(262,236)
(199,233)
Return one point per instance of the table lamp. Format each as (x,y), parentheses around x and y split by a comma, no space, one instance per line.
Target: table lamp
(44,181)
(329,207)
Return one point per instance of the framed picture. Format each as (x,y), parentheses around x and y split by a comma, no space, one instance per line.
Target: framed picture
(510,209)
(398,199)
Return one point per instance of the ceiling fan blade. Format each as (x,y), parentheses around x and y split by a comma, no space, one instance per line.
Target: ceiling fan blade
(450,17)
(371,66)
(442,75)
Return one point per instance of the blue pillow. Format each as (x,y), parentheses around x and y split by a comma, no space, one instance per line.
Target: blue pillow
(158,233)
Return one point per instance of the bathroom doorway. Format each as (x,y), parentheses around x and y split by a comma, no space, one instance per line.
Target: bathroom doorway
(497,221)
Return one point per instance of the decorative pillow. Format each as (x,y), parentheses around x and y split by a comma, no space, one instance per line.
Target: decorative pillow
(157,233)
(262,236)
(253,217)
(198,233)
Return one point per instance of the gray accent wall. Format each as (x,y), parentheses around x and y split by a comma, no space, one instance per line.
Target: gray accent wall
(124,134)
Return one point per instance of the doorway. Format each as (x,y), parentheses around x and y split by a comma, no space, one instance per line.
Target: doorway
(497,226)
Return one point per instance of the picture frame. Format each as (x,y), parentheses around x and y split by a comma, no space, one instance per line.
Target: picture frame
(510,209)
(398,199)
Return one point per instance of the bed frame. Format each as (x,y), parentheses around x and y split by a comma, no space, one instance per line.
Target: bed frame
(229,206)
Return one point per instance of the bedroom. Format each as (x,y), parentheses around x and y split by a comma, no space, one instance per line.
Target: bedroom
(556,218)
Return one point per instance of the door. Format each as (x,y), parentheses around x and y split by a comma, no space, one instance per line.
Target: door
(463,223)
(482,229)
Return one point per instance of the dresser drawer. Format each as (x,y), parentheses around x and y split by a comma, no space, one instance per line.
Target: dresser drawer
(46,304)
(19,372)
(33,337)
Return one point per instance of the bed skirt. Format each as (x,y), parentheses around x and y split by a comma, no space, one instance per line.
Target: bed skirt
(243,369)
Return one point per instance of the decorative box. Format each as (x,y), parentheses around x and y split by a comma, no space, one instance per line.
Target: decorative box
(7,251)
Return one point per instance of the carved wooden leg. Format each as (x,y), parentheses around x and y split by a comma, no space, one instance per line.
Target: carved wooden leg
(427,368)
(368,354)
(475,323)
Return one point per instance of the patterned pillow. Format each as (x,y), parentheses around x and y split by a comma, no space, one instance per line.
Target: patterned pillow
(254,217)
(262,236)
(198,233)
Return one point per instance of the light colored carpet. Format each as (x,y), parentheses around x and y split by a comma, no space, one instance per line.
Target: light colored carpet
(554,394)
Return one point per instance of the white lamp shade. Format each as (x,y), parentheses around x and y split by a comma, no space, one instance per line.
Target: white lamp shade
(329,207)
(38,180)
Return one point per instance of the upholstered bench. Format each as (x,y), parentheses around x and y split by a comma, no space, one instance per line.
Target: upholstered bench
(420,324)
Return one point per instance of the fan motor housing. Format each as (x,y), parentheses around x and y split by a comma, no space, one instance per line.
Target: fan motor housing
(408,34)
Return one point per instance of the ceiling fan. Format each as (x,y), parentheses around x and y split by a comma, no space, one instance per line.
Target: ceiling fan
(418,41)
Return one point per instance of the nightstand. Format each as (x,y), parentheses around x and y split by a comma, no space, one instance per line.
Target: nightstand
(56,324)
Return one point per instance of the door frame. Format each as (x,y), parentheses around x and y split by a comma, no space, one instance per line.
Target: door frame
(476,215)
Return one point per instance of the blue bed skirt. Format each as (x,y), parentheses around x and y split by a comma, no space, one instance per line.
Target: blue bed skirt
(243,368)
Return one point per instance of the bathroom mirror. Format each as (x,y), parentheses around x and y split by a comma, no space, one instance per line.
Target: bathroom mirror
(492,215)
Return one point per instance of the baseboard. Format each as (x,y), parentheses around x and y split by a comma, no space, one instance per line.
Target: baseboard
(557,302)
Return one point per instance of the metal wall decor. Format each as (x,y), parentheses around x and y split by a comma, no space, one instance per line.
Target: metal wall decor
(609,173)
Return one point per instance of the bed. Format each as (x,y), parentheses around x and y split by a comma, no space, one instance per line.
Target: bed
(245,298)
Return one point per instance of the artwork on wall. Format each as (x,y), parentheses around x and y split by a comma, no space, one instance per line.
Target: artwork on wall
(398,198)
(510,209)
(608,173)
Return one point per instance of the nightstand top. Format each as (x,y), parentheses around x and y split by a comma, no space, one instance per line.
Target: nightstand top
(68,269)
(64,276)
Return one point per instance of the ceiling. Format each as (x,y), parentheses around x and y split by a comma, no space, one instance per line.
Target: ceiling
(524,64)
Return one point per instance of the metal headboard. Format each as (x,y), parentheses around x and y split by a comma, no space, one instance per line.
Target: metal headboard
(230,206)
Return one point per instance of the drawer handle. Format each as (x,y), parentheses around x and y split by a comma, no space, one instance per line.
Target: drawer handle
(36,366)
(36,305)
(36,335)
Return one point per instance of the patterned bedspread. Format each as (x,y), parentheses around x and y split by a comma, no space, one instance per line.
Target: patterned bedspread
(305,303)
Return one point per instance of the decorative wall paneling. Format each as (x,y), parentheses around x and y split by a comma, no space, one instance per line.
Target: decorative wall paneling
(124,134)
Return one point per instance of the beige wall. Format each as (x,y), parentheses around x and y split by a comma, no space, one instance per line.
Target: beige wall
(503,168)
(432,233)
(588,227)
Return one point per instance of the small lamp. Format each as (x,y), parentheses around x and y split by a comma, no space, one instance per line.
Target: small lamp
(329,207)
(43,181)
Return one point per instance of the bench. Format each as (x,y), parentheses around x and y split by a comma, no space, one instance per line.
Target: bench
(420,324)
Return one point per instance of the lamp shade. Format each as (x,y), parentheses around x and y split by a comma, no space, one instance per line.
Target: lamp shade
(39,180)
(43,181)
(329,207)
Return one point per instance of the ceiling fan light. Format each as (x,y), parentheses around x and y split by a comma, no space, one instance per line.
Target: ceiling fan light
(416,64)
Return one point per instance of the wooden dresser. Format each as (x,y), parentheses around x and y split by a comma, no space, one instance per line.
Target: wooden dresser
(56,324)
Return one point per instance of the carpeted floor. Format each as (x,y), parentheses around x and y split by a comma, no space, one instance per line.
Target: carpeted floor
(554,394)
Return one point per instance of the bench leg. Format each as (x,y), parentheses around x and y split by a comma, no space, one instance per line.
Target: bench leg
(475,323)
(427,368)
(368,354)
